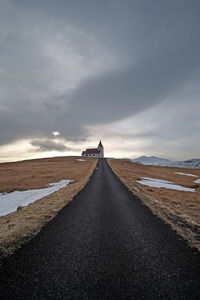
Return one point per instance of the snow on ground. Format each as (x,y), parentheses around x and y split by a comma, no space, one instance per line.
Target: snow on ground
(81,159)
(158,183)
(197,181)
(9,202)
(186,174)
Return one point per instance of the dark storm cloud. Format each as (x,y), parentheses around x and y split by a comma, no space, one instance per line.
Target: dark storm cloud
(156,46)
(49,145)
(169,58)
(115,96)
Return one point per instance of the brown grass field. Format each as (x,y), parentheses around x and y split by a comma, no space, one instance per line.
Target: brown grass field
(19,226)
(178,208)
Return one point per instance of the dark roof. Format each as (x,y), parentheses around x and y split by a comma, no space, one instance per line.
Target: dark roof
(91,151)
(100,144)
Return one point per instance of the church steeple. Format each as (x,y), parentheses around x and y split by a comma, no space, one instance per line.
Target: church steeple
(100,144)
(101,149)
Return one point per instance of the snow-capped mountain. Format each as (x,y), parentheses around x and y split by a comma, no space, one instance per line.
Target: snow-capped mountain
(190,163)
(151,160)
(157,161)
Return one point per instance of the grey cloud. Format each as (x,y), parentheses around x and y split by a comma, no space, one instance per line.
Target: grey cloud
(49,145)
(140,135)
(156,42)
(167,60)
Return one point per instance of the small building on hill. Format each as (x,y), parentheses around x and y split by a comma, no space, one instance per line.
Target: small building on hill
(94,152)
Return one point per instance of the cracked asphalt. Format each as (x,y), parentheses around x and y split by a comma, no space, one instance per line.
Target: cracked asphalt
(105,244)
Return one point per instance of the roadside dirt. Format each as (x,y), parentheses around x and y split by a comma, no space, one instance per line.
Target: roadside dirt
(19,226)
(178,208)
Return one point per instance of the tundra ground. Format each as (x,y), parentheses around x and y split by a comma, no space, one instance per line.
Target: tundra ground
(19,226)
(178,208)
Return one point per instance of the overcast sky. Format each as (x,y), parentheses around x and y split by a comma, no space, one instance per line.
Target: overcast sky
(73,72)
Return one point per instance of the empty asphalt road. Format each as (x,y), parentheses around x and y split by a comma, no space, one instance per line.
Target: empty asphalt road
(105,244)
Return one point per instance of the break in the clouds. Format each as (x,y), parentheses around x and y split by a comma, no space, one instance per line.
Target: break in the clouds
(124,71)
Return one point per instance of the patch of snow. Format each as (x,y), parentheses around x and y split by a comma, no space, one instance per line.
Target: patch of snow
(79,159)
(10,201)
(186,174)
(157,183)
(197,181)
(160,180)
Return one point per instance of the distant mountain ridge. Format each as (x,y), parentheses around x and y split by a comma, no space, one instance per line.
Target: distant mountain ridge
(157,161)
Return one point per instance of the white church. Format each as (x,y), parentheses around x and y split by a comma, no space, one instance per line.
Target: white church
(95,152)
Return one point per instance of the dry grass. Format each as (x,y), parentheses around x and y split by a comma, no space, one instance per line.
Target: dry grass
(178,208)
(37,173)
(19,226)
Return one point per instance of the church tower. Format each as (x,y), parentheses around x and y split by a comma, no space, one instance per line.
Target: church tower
(101,149)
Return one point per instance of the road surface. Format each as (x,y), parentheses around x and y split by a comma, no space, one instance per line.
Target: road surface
(105,244)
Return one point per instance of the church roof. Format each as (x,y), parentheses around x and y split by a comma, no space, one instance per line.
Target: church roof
(91,151)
